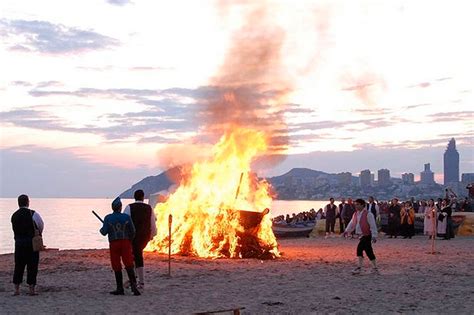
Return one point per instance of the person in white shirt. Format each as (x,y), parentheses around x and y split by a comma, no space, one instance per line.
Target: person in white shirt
(144,219)
(363,223)
(24,223)
(373,207)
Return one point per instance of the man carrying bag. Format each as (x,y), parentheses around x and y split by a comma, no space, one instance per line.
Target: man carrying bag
(27,227)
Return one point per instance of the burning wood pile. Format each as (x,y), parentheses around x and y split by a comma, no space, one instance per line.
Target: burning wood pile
(206,222)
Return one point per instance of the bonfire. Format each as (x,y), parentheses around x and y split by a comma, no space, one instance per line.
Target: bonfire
(220,208)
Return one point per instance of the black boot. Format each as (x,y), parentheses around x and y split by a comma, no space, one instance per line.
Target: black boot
(119,280)
(133,281)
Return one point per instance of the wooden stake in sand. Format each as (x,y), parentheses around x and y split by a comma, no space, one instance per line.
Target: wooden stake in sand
(170,221)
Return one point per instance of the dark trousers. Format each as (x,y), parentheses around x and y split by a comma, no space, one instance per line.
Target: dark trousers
(365,244)
(449,228)
(25,257)
(138,246)
(330,223)
(393,227)
(341,225)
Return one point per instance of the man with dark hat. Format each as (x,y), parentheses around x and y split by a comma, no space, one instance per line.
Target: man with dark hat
(144,220)
(121,231)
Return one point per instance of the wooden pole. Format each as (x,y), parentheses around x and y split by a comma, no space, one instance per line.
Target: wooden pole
(170,221)
(435,229)
(238,187)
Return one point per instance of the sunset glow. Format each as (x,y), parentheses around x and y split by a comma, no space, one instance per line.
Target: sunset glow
(122,86)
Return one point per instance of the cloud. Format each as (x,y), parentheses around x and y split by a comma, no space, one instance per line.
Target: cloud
(45,37)
(145,68)
(246,105)
(119,2)
(88,92)
(25,170)
(452,116)
(427,84)
(166,122)
(22,83)
(344,124)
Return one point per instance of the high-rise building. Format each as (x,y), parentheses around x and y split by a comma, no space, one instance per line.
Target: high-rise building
(467,178)
(365,178)
(427,176)
(344,178)
(408,178)
(451,163)
(383,177)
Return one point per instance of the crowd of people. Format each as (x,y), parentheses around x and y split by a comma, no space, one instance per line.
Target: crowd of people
(400,216)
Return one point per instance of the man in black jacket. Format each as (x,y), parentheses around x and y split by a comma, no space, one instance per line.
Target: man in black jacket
(394,218)
(144,219)
(23,221)
(330,211)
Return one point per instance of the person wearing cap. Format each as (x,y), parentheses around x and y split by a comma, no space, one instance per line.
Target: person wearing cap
(363,224)
(144,220)
(121,232)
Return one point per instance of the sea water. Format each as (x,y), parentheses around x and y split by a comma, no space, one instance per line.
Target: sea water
(70,224)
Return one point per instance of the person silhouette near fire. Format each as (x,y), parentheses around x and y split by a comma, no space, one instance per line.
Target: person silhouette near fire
(121,231)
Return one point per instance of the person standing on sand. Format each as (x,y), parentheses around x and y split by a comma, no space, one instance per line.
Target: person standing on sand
(348,211)
(121,231)
(144,220)
(341,215)
(363,224)
(373,207)
(430,217)
(393,218)
(407,220)
(23,222)
(330,211)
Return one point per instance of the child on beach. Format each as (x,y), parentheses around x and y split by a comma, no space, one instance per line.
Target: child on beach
(121,231)
(363,223)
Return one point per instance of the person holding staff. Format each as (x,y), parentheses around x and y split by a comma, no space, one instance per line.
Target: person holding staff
(121,231)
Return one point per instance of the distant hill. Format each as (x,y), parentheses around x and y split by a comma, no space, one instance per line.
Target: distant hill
(304,184)
(285,185)
(302,173)
(153,184)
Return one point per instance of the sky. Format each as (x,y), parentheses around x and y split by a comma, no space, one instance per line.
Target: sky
(95,95)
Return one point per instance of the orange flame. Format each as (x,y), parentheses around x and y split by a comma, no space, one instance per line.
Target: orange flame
(205,220)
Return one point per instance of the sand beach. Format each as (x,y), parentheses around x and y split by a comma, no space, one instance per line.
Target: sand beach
(312,276)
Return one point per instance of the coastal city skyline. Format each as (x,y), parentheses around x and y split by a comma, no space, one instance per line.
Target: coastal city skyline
(96,105)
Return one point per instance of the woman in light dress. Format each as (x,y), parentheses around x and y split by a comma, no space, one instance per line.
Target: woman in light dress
(430,219)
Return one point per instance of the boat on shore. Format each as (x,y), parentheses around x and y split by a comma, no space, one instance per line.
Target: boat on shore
(285,230)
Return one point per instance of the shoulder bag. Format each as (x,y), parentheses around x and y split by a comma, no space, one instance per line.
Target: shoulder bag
(37,240)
